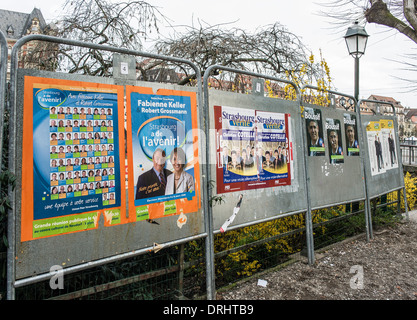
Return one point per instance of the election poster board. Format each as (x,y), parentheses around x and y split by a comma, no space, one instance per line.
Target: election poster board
(72,154)
(162,146)
(252,150)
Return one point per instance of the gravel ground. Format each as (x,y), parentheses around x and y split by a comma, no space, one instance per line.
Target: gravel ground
(384,268)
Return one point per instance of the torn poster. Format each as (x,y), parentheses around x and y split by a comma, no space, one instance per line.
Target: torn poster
(233,216)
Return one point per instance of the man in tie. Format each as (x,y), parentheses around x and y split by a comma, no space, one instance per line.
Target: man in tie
(259,160)
(352,143)
(152,183)
(316,146)
(225,157)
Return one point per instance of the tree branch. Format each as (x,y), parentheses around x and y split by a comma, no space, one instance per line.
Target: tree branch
(380,14)
(409,8)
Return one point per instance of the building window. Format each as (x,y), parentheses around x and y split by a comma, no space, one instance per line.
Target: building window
(10,31)
(35,27)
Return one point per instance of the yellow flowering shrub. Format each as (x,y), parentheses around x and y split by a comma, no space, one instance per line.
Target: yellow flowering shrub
(249,260)
(410,183)
(302,78)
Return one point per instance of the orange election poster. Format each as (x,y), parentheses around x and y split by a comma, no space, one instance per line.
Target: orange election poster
(73,157)
(162,148)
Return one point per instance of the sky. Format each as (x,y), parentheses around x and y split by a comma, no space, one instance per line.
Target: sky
(379,69)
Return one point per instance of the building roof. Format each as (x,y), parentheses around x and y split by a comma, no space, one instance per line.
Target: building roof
(412,113)
(385,99)
(14,25)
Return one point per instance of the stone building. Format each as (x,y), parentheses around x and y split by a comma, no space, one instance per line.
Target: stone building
(16,25)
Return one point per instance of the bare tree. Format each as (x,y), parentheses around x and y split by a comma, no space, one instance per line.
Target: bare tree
(271,50)
(400,15)
(105,22)
(397,15)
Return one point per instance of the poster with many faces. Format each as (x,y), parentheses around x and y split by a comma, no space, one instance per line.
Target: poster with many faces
(72,156)
(82,153)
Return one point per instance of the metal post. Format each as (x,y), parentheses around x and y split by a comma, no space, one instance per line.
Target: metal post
(10,231)
(367,203)
(210,267)
(308,218)
(3,80)
(398,202)
(357,79)
(181,271)
(405,204)
(368,216)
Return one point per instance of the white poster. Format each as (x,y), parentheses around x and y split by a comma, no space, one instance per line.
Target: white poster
(389,150)
(376,155)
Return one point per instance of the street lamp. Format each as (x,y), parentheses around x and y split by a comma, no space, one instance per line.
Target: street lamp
(356,39)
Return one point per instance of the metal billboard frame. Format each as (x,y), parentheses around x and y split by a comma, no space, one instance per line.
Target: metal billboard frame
(210,236)
(362,156)
(12,283)
(204,122)
(400,165)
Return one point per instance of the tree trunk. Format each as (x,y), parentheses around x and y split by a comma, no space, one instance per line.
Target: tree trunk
(378,13)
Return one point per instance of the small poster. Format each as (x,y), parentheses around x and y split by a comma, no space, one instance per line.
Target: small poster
(388,144)
(334,136)
(252,149)
(351,132)
(71,136)
(315,141)
(376,157)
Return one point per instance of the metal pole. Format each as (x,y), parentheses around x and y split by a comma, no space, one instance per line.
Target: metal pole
(309,218)
(398,202)
(10,230)
(11,213)
(3,80)
(95,263)
(181,271)
(368,216)
(356,78)
(367,203)
(210,266)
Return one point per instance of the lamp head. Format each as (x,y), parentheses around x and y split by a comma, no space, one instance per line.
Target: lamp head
(356,39)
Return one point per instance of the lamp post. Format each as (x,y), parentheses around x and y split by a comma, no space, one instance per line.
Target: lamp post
(356,39)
